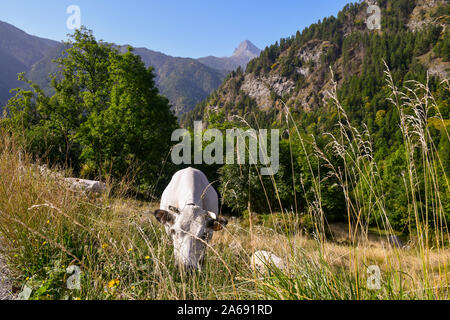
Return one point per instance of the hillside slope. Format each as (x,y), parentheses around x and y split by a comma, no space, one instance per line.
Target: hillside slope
(9,70)
(25,48)
(19,51)
(296,70)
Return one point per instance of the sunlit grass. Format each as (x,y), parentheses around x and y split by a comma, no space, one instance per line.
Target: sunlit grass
(124,253)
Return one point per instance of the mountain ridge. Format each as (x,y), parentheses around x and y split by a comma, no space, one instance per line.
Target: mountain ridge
(242,55)
(184,81)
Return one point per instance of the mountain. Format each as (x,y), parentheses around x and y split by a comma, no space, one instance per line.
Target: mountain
(10,67)
(245,52)
(25,48)
(18,53)
(184,81)
(414,38)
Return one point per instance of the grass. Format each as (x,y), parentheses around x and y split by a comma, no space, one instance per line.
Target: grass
(124,253)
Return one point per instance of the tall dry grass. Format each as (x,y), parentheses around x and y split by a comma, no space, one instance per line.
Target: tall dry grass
(361,183)
(123,252)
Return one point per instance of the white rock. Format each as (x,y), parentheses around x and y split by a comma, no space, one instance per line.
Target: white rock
(264,261)
(90,186)
(259,88)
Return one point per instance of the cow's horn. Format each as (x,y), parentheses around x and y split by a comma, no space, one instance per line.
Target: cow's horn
(212,215)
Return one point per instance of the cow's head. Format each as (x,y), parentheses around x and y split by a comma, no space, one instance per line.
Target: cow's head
(190,229)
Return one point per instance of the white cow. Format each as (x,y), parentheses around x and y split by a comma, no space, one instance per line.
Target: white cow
(188,210)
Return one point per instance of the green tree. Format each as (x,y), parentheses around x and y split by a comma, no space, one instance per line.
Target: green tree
(106,116)
(135,129)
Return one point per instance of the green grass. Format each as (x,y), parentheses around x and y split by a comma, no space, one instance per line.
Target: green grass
(124,253)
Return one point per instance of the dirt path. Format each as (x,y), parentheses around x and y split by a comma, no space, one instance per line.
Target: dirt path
(5,283)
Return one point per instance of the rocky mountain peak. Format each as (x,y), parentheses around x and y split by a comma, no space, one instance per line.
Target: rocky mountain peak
(247,49)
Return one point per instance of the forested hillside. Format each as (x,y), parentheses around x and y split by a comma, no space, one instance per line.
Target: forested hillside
(297,70)
(287,86)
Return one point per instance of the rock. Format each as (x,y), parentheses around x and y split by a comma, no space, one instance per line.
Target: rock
(312,51)
(74,184)
(44,171)
(438,68)
(264,261)
(304,71)
(260,88)
(421,15)
(89,186)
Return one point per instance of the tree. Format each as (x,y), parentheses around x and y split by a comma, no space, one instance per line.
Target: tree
(136,127)
(106,115)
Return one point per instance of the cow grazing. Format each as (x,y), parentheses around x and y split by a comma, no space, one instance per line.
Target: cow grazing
(188,210)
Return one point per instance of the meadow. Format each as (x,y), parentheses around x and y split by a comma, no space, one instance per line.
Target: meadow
(124,253)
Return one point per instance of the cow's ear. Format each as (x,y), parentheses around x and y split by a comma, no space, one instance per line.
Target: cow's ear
(219,224)
(164,216)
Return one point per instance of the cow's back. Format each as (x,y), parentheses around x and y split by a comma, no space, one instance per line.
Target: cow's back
(190,186)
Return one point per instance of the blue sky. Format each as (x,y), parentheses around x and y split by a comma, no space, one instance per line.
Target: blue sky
(188,28)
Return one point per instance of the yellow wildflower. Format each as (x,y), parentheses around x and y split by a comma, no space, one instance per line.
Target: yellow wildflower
(113,283)
(147,257)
